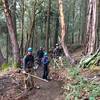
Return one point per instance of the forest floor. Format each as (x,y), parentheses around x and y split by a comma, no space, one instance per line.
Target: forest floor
(12,87)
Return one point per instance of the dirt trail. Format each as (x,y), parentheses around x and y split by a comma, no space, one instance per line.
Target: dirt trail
(11,88)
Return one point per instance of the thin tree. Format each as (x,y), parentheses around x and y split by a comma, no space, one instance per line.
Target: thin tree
(32,27)
(56,30)
(63,31)
(48,25)
(1,58)
(22,28)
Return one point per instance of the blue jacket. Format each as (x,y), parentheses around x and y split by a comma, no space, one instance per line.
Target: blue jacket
(45,60)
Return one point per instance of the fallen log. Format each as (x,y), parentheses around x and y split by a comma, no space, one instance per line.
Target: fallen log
(89,60)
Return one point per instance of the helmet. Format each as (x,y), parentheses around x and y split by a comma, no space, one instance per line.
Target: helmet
(56,44)
(40,48)
(45,53)
(29,49)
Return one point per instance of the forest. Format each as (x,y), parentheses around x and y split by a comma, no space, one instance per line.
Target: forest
(67,32)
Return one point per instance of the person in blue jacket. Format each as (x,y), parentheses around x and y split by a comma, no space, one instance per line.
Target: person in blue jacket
(45,62)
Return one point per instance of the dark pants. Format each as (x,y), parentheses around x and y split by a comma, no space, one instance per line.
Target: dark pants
(39,61)
(46,71)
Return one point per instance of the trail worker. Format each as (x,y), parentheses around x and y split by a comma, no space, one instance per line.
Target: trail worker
(40,54)
(57,51)
(45,61)
(28,63)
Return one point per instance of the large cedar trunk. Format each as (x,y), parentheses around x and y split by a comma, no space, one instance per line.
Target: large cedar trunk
(63,31)
(11,30)
(91,27)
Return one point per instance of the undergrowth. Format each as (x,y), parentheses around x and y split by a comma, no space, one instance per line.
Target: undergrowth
(5,67)
(80,87)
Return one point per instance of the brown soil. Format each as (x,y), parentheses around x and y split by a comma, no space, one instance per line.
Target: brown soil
(12,88)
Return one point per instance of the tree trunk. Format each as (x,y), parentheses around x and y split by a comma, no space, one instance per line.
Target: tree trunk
(84,19)
(48,25)
(91,27)
(31,29)
(11,30)
(1,58)
(13,14)
(63,31)
(98,24)
(12,7)
(22,29)
(7,47)
(56,31)
(73,21)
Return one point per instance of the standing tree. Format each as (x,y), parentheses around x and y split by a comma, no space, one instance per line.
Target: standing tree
(98,28)
(48,25)
(91,27)
(1,58)
(11,30)
(63,31)
(22,27)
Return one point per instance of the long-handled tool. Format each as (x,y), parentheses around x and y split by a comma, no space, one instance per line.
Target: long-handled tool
(36,77)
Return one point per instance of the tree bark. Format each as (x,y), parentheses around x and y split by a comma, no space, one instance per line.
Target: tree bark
(7,47)
(84,19)
(11,30)
(22,29)
(56,31)
(98,24)
(91,27)
(1,58)
(63,31)
(48,25)
(12,7)
(73,21)
(31,29)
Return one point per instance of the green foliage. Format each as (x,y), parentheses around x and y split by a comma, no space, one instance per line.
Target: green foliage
(5,67)
(73,72)
(16,65)
(59,62)
(81,85)
(0,2)
(91,98)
